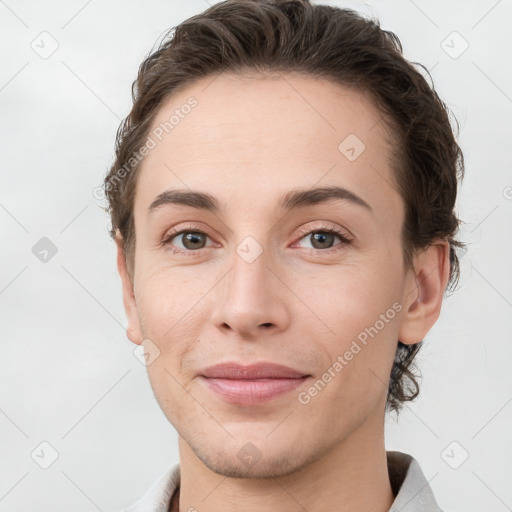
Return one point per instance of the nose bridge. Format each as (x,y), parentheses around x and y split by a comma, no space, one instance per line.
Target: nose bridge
(250,265)
(250,299)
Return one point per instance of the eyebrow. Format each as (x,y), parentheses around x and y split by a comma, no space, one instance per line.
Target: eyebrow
(298,198)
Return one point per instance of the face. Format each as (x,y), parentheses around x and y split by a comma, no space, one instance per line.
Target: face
(303,280)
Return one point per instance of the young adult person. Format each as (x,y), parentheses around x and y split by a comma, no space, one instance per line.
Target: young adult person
(282,200)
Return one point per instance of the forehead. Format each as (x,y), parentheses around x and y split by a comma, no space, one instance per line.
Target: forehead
(248,140)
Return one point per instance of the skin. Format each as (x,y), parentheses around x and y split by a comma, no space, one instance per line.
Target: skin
(247,142)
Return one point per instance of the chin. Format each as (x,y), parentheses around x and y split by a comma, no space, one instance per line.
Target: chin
(250,461)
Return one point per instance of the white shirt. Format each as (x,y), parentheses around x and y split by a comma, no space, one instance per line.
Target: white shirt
(408,483)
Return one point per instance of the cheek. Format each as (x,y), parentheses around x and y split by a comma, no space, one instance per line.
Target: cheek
(343,300)
(166,294)
(169,306)
(356,323)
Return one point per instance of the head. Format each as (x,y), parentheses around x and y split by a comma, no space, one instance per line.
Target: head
(253,104)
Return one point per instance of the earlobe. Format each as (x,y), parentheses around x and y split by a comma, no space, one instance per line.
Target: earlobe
(422,301)
(133,331)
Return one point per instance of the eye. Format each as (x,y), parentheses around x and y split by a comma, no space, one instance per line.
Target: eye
(191,240)
(322,239)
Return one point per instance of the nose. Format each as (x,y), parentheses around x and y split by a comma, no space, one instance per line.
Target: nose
(252,300)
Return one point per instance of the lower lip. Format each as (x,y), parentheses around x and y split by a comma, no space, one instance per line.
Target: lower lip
(248,392)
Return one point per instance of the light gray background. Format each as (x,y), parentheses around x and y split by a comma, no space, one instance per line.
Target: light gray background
(68,374)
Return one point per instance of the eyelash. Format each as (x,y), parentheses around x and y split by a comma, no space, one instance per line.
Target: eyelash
(304,232)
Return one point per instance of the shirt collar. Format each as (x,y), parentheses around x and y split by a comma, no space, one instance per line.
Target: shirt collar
(412,490)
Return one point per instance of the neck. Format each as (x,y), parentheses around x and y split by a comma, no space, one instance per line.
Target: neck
(351,476)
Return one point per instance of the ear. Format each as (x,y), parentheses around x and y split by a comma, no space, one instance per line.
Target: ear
(423,295)
(133,331)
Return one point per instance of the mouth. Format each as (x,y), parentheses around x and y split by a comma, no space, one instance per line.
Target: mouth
(253,384)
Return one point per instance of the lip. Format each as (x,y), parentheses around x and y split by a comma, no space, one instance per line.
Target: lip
(261,370)
(251,384)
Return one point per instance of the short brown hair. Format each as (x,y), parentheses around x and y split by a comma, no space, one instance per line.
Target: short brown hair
(339,45)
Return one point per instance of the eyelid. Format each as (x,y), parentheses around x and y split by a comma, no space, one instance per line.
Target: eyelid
(345,237)
(173,232)
(342,232)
